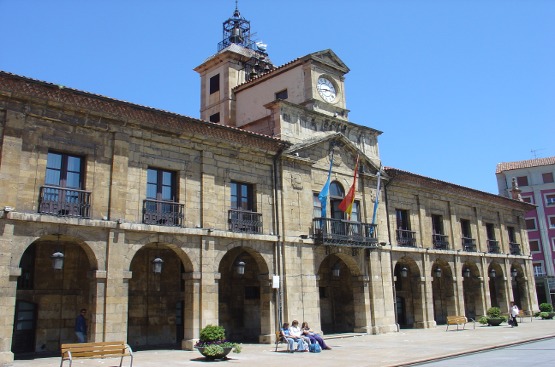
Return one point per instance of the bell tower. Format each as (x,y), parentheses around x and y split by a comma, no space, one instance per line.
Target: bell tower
(239,59)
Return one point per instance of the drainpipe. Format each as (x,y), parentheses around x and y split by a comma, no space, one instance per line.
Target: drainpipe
(279,242)
(390,257)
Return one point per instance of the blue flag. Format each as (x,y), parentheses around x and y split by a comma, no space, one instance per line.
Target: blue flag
(323,195)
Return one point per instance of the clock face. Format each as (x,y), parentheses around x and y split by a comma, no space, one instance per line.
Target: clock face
(326,89)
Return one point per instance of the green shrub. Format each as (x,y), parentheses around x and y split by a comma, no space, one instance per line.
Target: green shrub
(483,320)
(212,333)
(494,312)
(546,307)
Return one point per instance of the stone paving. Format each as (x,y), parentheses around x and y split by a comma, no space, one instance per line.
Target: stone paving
(394,349)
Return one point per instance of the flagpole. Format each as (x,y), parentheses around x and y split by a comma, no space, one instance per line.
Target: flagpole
(378,189)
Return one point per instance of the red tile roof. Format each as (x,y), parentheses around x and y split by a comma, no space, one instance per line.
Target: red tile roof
(507,166)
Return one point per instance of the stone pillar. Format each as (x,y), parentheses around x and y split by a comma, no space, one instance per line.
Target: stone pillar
(10,164)
(192,313)
(117,287)
(267,308)
(427,293)
(380,293)
(97,310)
(120,167)
(458,287)
(8,286)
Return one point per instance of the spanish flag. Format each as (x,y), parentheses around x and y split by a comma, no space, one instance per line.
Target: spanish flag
(346,204)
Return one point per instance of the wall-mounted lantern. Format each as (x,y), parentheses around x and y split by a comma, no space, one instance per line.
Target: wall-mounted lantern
(240,267)
(437,272)
(404,272)
(492,273)
(157,265)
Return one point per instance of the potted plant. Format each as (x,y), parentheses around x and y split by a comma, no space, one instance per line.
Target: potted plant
(493,317)
(546,311)
(213,344)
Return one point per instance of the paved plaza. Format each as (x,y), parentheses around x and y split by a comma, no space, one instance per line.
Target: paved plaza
(393,349)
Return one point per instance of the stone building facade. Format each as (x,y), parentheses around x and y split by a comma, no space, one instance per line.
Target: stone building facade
(167,223)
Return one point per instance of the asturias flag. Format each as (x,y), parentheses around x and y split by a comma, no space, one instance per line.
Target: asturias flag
(346,204)
(323,196)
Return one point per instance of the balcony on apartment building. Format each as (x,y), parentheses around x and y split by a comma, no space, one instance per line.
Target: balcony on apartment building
(64,202)
(440,241)
(469,244)
(339,232)
(244,221)
(163,213)
(493,247)
(514,248)
(406,238)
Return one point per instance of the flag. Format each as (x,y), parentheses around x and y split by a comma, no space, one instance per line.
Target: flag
(346,204)
(323,195)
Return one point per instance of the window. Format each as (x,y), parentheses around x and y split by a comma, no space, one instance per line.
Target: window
(531,224)
(64,170)
(160,185)
(512,235)
(490,231)
(336,196)
(403,219)
(547,177)
(550,199)
(527,199)
(522,180)
(551,220)
(63,193)
(465,228)
(215,83)
(538,270)
(534,245)
(437,224)
(316,206)
(242,196)
(160,206)
(215,117)
(282,94)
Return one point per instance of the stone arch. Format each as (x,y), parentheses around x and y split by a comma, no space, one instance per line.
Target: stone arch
(245,297)
(473,294)
(160,305)
(497,286)
(443,290)
(342,299)
(57,294)
(409,306)
(519,287)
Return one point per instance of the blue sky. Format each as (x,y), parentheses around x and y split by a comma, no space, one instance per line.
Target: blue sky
(455,86)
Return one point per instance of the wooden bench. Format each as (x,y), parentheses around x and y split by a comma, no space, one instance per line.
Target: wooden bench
(456,320)
(96,350)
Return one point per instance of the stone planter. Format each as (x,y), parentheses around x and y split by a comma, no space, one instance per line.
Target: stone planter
(217,356)
(495,321)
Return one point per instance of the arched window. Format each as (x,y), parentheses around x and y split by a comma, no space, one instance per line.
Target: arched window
(337,193)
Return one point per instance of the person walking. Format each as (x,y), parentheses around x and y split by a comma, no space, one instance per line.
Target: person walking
(514,314)
(81,326)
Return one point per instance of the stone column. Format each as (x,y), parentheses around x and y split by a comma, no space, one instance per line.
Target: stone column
(427,293)
(8,286)
(192,313)
(380,293)
(97,310)
(10,164)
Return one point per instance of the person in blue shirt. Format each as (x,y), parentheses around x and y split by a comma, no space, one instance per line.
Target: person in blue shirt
(81,326)
(291,339)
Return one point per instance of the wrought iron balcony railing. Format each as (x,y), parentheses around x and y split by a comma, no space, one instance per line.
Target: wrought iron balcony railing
(244,221)
(406,237)
(440,241)
(163,213)
(514,248)
(493,247)
(64,202)
(469,244)
(338,232)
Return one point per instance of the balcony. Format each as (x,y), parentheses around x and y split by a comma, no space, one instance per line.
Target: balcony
(493,247)
(469,244)
(338,232)
(406,238)
(64,202)
(440,241)
(244,221)
(163,213)
(514,248)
